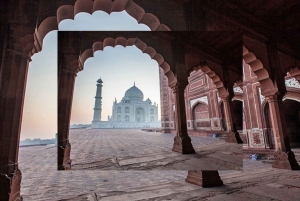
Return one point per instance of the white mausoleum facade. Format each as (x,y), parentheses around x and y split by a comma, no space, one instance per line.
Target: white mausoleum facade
(131,112)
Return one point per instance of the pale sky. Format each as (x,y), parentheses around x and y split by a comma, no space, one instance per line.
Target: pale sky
(118,67)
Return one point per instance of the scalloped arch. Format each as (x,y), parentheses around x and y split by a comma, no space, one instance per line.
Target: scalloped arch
(99,46)
(88,6)
(259,70)
(290,95)
(215,78)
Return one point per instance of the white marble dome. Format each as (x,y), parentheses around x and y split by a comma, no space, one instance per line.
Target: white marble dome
(134,93)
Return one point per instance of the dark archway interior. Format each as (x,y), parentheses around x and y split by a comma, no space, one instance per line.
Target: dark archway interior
(292,117)
(237,108)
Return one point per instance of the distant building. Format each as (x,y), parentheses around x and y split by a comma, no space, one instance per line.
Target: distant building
(131,112)
(37,142)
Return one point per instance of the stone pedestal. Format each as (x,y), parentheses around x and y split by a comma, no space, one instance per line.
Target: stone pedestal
(183,145)
(284,157)
(204,178)
(284,160)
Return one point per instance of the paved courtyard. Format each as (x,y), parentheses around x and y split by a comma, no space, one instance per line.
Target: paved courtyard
(133,149)
(41,180)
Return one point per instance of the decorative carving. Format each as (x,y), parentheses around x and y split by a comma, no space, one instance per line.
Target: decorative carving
(256,138)
(279,155)
(203,99)
(177,140)
(292,82)
(216,123)
(203,124)
(238,90)
(67,160)
(16,186)
(183,145)
(284,160)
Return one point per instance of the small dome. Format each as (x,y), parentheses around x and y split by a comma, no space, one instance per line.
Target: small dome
(99,81)
(134,93)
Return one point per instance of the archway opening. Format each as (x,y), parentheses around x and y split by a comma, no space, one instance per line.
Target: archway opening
(201,117)
(292,118)
(40,112)
(237,108)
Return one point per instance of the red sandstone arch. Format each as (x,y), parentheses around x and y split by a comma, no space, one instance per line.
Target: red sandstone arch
(215,78)
(291,95)
(100,45)
(259,70)
(88,6)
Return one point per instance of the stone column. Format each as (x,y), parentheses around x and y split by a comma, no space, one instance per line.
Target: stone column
(13,78)
(284,157)
(98,103)
(66,83)
(204,178)
(232,134)
(182,142)
(164,97)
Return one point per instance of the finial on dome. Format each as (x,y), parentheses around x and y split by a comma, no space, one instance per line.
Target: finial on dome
(134,83)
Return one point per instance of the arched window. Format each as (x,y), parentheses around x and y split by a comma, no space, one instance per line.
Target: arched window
(119,110)
(119,118)
(152,111)
(127,118)
(127,110)
(152,119)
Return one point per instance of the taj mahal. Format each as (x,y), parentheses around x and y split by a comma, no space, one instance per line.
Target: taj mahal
(131,112)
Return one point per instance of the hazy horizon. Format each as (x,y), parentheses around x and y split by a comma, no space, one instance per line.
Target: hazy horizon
(40,104)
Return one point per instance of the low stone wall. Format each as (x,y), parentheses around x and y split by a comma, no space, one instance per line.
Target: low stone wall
(107,124)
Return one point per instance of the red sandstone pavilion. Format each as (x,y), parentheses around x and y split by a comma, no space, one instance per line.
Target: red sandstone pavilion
(241,61)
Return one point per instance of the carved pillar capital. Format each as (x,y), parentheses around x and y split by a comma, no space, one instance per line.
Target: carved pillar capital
(178,87)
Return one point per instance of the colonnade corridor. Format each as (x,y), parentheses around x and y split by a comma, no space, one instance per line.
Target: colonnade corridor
(228,77)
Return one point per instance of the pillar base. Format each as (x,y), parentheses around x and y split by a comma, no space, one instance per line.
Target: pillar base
(285,161)
(10,186)
(66,160)
(204,178)
(183,145)
(233,137)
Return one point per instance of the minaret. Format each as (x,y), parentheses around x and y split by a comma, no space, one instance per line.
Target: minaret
(98,102)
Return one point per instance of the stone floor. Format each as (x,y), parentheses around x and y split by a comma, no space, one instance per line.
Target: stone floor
(133,149)
(41,180)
